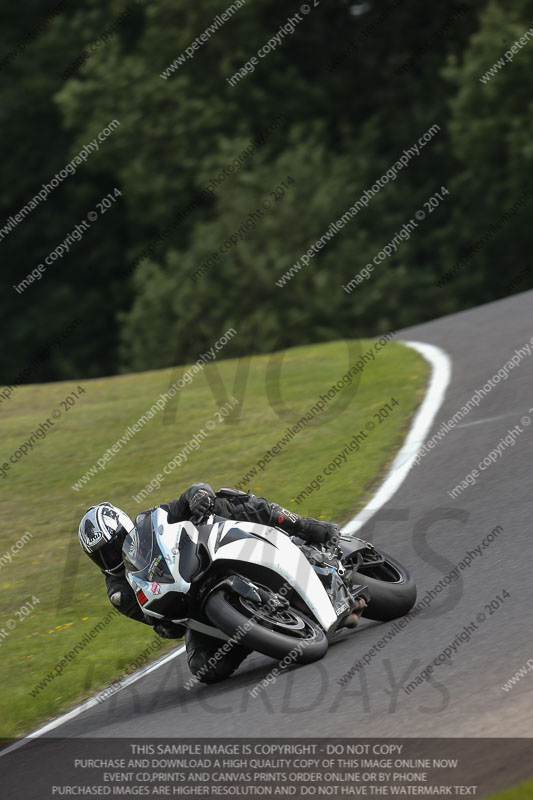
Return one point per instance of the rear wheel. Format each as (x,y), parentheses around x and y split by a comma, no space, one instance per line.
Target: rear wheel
(392,590)
(275,632)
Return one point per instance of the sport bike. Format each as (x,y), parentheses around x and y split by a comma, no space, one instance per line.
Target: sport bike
(253,584)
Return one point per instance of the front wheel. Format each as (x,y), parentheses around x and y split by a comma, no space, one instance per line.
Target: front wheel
(278,633)
(392,590)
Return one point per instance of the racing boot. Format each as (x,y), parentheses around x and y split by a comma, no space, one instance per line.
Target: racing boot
(312,530)
(352,619)
(208,661)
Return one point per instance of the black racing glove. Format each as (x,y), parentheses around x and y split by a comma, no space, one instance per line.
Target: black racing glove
(201,504)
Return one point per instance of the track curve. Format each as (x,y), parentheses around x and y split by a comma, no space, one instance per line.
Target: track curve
(429,532)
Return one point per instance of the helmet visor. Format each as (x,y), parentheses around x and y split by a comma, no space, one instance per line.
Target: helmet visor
(111,554)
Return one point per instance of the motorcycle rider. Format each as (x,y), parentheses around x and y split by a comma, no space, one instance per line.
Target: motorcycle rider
(104,527)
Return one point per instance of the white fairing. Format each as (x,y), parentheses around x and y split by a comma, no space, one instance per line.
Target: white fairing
(267,547)
(168,536)
(275,550)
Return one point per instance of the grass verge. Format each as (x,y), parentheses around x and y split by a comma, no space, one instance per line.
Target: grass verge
(522,792)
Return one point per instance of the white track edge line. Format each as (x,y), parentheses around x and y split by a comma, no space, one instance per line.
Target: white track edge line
(440,378)
(92,701)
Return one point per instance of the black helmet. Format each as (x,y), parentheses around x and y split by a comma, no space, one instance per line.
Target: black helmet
(102,531)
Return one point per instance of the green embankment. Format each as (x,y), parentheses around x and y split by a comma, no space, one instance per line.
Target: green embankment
(522,792)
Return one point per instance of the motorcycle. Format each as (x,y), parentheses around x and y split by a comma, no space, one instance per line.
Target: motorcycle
(253,584)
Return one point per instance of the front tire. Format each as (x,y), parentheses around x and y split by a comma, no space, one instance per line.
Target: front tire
(304,640)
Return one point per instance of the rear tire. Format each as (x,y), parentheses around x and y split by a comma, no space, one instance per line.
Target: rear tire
(392,590)
(307,643)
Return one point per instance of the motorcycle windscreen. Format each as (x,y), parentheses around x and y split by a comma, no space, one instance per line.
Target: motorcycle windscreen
(143,556)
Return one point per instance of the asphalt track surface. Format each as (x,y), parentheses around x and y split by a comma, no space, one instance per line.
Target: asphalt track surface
(464,698)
